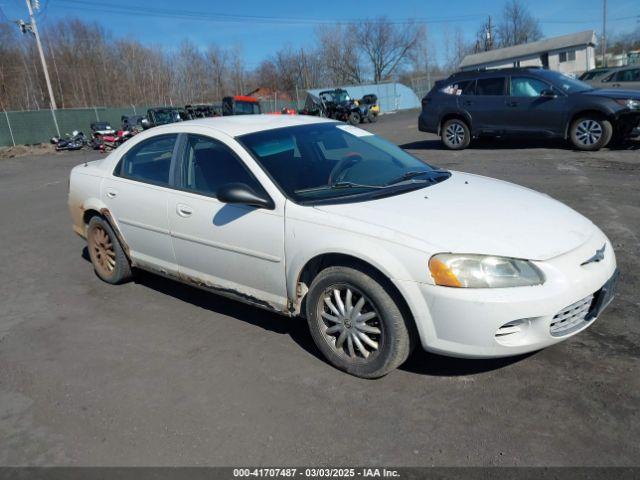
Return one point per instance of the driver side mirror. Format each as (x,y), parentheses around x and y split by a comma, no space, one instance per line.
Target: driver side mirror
(243,194)
(548,93)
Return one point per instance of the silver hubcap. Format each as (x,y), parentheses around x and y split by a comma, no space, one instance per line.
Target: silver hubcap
(455,134)
(588,132)
(351,323)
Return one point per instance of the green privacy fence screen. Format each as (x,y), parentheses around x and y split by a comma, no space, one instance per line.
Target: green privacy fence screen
(37,126)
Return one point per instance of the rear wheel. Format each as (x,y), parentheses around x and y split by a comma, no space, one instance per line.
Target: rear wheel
(107,256)
(455,134)
(590,132)
(372,117)
(356,324)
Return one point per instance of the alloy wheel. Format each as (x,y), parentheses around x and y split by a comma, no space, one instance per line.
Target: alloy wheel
(102,251)
(455,134)
(352,325)
(588,132)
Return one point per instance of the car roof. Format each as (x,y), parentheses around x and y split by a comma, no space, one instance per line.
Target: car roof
(236,125)
(492,72)
(626,67)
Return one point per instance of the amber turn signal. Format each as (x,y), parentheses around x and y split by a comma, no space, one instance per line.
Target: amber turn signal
(442,274)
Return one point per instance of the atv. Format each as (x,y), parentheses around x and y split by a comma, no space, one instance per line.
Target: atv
(369,108)
(340,106)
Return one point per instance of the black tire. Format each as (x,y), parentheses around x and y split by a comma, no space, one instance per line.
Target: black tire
(393,341)
(590,132)
(107,256)
(372,117)
(455,134)
(354,118)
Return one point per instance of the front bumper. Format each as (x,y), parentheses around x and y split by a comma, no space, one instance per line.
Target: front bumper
(485,323)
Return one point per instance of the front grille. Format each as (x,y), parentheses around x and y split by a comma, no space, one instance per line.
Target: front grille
(571,318)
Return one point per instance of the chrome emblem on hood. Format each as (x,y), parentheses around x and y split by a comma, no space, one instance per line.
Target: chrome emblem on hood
(599,255)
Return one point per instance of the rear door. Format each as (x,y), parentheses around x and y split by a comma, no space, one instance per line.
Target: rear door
(136,195)
(484,100)
(235,249)
(529,112)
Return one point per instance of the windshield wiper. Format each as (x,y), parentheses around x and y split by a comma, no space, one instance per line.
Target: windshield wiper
(338,185)
(416,173)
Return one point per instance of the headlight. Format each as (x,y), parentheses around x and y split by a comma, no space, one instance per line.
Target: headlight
(483,271)
(629,103)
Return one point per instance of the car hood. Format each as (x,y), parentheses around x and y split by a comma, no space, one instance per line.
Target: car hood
(613,93)
(473,214)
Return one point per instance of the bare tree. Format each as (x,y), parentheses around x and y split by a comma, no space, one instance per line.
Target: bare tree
(340,55)
(387,46)
(517,25)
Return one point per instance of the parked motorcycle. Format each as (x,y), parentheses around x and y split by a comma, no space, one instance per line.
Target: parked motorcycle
(75,141)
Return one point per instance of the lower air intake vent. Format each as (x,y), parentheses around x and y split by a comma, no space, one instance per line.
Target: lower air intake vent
(571,318)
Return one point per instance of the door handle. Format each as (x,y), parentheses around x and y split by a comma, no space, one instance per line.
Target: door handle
(184,210)
(111,193)
(617,85)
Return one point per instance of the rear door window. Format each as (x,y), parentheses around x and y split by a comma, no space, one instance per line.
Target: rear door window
(490,86)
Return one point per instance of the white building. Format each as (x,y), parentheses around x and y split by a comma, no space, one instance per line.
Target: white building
(571,54)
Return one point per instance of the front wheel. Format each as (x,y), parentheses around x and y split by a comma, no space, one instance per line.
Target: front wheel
(354,118)
(356,324)
(455,134)
(590,133)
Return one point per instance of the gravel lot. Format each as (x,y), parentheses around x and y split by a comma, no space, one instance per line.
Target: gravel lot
(157,373)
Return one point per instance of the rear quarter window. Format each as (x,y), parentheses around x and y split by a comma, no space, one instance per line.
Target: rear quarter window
(456,88)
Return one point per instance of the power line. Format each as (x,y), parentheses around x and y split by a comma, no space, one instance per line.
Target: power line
(133,10)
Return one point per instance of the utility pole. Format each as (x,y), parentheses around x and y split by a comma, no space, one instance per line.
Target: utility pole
(604,33)
(34,28)
(489,39)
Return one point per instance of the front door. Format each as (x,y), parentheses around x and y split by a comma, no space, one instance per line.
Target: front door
(136,195)
(531,113)
(232,249)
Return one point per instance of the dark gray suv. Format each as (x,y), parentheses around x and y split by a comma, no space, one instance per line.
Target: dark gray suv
(527,102)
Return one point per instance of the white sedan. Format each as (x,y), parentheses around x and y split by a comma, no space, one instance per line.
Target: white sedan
(376,249)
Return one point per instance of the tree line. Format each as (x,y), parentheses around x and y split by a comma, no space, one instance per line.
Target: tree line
(88,66)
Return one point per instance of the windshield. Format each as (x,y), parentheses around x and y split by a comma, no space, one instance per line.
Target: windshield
(591,74)
(327,161)
(564,82)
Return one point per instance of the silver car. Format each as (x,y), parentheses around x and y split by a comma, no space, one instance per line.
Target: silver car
(627,78)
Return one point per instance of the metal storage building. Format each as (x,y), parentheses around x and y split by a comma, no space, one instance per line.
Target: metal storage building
(391,96)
